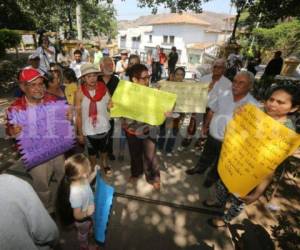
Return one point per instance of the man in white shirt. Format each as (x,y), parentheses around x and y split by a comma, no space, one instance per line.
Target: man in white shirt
(218,85)
(76,64)
(221,112)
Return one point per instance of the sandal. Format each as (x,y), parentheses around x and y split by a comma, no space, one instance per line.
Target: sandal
(216,222)
(215,205)
(107,171)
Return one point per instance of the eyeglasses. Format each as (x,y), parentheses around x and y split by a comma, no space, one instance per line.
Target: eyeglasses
(145,77)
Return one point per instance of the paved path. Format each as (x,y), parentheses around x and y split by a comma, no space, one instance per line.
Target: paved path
(142,218)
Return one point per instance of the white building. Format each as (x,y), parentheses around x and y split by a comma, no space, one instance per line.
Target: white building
(196,36)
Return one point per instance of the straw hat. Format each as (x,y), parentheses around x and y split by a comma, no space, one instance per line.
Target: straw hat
(88,68)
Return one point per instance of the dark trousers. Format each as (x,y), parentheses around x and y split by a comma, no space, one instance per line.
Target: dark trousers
(210,157)
(143,157)
(156,72)
(170,140)
(110,137)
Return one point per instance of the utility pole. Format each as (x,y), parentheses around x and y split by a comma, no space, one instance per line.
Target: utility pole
(78,21)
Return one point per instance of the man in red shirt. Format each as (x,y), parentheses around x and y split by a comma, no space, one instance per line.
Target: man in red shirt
(32,84)
(162,60)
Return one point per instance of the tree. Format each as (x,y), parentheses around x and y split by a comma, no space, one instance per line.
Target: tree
(14,17)
(99,20)
(175,6)
(284,36)
(273,11)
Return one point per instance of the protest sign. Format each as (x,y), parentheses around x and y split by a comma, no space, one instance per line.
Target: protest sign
(103,201)
(46,132)
(141,103)
(254,146)
(191,96)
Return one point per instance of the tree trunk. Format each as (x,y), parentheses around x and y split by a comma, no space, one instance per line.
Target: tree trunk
(78,21)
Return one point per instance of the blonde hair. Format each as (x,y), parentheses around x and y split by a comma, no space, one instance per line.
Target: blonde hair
(76,166)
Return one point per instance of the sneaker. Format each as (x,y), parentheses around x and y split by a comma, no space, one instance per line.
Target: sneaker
(169,154)
(180,148)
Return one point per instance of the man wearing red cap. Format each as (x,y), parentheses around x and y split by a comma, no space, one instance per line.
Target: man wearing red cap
(32,84)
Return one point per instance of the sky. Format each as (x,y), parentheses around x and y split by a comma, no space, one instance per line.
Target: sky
(128,10)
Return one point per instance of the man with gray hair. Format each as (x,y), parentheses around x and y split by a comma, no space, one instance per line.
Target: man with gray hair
(218,85)
(221,112)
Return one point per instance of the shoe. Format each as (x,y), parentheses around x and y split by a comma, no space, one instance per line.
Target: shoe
(169,154)
(217,222)
(186,142)
(111,157)
(193,171)
(214,205)
(180,148)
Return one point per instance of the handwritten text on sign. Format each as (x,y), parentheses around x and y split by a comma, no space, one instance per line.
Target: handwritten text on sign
(254,145)
(46,132)
(191,96)
(140,103)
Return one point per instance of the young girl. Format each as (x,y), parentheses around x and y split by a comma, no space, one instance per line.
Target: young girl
(76,199)
(281,102)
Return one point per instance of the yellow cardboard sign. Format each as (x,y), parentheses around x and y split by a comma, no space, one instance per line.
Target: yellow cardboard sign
(141,103)
(70,90)
(191,96)
(254,146)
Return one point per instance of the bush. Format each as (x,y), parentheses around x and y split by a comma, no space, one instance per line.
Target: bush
(8,39)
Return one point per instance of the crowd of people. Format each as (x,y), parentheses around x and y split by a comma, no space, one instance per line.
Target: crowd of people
(87,85)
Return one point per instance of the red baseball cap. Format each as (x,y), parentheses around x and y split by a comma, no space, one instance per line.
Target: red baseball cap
(29,75)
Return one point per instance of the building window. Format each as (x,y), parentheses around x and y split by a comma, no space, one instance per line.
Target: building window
(165,39)
(168,39)
(172,39)
(150,38)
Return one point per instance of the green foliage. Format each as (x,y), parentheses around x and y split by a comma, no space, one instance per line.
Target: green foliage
(13,17)
(99,20)
(51,15)
(284,36)
(175,6)
(8,39)
(272,11)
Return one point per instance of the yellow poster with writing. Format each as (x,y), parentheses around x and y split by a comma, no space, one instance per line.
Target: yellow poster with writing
(191,96)
(141,103)
(70,91)
(254,146)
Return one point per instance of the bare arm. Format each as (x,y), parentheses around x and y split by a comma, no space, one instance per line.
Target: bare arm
(78,116)
(258,191)
(207,118)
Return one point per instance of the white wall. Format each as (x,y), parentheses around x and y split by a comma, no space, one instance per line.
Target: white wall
(183,33)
